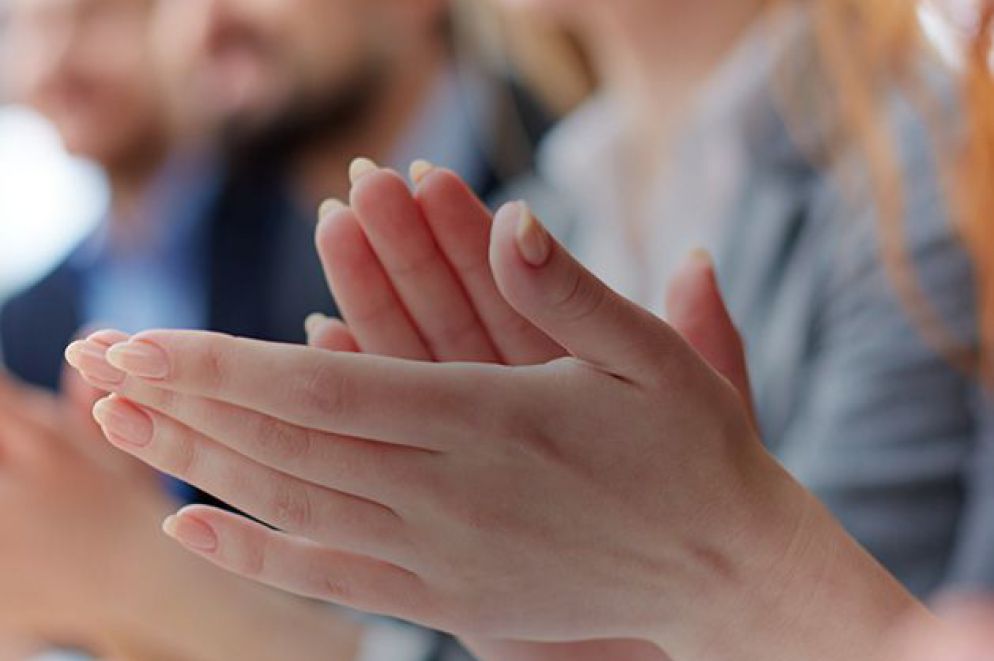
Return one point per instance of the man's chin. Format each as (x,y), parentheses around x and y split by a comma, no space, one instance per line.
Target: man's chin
(274,127)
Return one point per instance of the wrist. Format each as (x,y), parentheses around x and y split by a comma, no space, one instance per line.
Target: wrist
(800,587)
(834,601)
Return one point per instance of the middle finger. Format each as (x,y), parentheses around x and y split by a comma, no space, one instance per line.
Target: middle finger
(290,504)
(363,468)
(418,270)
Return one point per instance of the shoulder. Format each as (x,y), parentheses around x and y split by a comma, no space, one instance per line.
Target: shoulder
(891,216)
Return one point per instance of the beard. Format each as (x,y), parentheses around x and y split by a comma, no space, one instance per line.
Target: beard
(305,119)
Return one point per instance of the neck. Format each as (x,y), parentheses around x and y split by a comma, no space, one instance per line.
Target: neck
(322,170)
(654,54)
(129,179)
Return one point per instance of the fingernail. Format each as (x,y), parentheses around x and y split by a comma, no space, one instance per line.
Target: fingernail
(91,360)
(124,422)
(314,322)
(360,168)
(191,532)
(534,242)
(328,207)
(419,170)
(107,337)
(139,358)
(701,255)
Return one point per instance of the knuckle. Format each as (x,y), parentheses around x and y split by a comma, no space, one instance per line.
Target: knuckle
(252,559)
(283,443)
(415,476)
(213,367)
(336,588)
(183,458)
(325,390)
(291,508)
(468,514)
(578,298)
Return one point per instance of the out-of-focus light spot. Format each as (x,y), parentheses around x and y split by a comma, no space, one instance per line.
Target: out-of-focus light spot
(939,29)
(48,200)
(949,25)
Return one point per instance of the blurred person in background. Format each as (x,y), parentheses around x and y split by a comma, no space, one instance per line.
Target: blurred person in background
(714,130)
(212,234)
(297,90)
(87,66)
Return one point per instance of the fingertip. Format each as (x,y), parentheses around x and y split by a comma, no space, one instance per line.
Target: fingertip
(74,353)
(100,410)
(532,239)
(360,168)
(377,190)
(330,227)
(519,239)
(169,525)
(329,207)
(192,531)
(419,170)
(701,257)
(313,324)
(108,336)
(333,335)
(440,181)
(694,284)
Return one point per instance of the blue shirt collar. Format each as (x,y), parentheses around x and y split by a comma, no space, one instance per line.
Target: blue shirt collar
(174,210)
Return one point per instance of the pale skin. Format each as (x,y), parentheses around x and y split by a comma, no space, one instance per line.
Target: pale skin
(500,501)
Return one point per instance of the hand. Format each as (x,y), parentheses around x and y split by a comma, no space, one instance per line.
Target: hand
(369,253)
(412,277)
(619,493)
(411,273)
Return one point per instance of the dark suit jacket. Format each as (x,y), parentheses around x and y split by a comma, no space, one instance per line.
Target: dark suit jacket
(262,275)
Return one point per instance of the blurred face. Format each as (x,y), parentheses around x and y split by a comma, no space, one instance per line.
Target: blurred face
(86,66)
(565,10)
(260,64)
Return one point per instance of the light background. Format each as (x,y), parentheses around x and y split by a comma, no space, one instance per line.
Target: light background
(48,201)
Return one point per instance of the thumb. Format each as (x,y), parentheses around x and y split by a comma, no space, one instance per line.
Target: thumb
(329,334)
(547,286)
(697,311)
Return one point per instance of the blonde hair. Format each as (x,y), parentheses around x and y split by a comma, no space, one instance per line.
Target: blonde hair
(870,48)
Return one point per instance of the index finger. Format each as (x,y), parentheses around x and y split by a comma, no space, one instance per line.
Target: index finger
(462,226)
(372,397)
